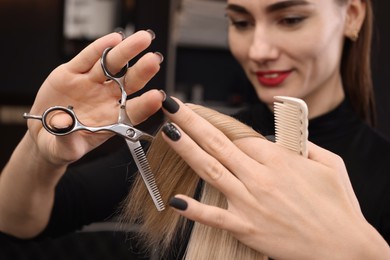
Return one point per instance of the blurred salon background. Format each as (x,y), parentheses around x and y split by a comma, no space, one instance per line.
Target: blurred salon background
(39,35)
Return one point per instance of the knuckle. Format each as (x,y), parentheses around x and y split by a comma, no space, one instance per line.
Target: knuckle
(214,170)
(218,146)
(338,160)
(187,118)
(219,220)
(249,230)
(137,75)
(266,189)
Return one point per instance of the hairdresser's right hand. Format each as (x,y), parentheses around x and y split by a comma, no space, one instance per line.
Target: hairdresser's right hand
(82,84)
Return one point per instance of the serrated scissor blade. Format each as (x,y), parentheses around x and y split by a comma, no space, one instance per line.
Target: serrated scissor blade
(144,168)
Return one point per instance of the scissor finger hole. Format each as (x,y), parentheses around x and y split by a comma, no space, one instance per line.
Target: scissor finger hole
(58,121)
(107,72)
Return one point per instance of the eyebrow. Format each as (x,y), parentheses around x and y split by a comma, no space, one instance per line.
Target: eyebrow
(271,8)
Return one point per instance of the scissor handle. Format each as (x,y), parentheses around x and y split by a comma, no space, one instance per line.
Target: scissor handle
(46,116)
(119,78)
(122,129)
(108,73)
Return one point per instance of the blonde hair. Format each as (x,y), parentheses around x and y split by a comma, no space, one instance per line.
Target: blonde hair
(174,176)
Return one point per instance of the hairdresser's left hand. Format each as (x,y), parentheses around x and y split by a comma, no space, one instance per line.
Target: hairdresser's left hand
(279,203)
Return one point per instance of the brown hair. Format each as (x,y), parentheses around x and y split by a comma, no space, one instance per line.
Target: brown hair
(356,68)
(174,176)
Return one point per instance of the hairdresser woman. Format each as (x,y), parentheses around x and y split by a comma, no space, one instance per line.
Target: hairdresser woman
(27,190)
(317,50)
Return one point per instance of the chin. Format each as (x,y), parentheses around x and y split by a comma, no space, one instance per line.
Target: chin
(267,96)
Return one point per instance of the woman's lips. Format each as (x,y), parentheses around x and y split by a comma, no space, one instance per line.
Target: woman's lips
(272,78)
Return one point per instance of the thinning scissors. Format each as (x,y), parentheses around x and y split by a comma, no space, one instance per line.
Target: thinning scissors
(123,128)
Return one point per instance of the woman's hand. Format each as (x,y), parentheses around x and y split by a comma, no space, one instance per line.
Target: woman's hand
(82,84)
(27,183)
(279,203)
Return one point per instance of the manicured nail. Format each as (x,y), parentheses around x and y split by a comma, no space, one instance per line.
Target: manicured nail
(164,94)
(178,203)
(161,57)
(122,34)
(151,33)
(171,131)
(170,105)
(270,138)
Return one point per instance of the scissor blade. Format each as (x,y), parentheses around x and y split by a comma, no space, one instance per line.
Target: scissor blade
(146,173)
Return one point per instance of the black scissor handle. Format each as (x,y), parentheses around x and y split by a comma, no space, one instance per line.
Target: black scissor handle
(48,114)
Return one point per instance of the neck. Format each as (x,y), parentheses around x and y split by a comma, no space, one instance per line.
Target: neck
(319,106)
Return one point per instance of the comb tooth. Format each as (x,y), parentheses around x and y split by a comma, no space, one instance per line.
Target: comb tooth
(291,124)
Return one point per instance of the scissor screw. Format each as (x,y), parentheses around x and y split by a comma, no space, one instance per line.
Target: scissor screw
(130,132)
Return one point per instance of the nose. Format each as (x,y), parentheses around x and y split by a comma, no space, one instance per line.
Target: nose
(263,47)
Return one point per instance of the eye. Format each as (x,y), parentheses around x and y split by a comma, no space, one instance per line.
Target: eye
(240,24)
(292,21)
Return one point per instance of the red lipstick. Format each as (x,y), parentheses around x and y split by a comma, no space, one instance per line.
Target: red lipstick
(272,78)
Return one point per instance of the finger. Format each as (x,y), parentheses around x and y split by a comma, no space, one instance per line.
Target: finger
(324,156)
(215,143)
(334,161)
(88,57)
(121,54)
(207,215)
(59,120)
(142,71)
(206,166)
(261,150)
(141,108)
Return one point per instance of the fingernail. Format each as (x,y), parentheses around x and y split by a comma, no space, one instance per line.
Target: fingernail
(122,34)
(164,94)
(161,57)
(170,105)
(151,33)
(178,203)
(171,131)
(270,138)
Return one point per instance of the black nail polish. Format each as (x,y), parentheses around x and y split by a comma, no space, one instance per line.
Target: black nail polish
(170,105)
(270,138)
(171,131)
(178,203)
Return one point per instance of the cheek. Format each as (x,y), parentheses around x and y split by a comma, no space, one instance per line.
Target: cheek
(323,55)
(317,48)
(238,47)
(328,41)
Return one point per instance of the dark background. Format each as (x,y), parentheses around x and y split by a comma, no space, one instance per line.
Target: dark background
(381,64)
